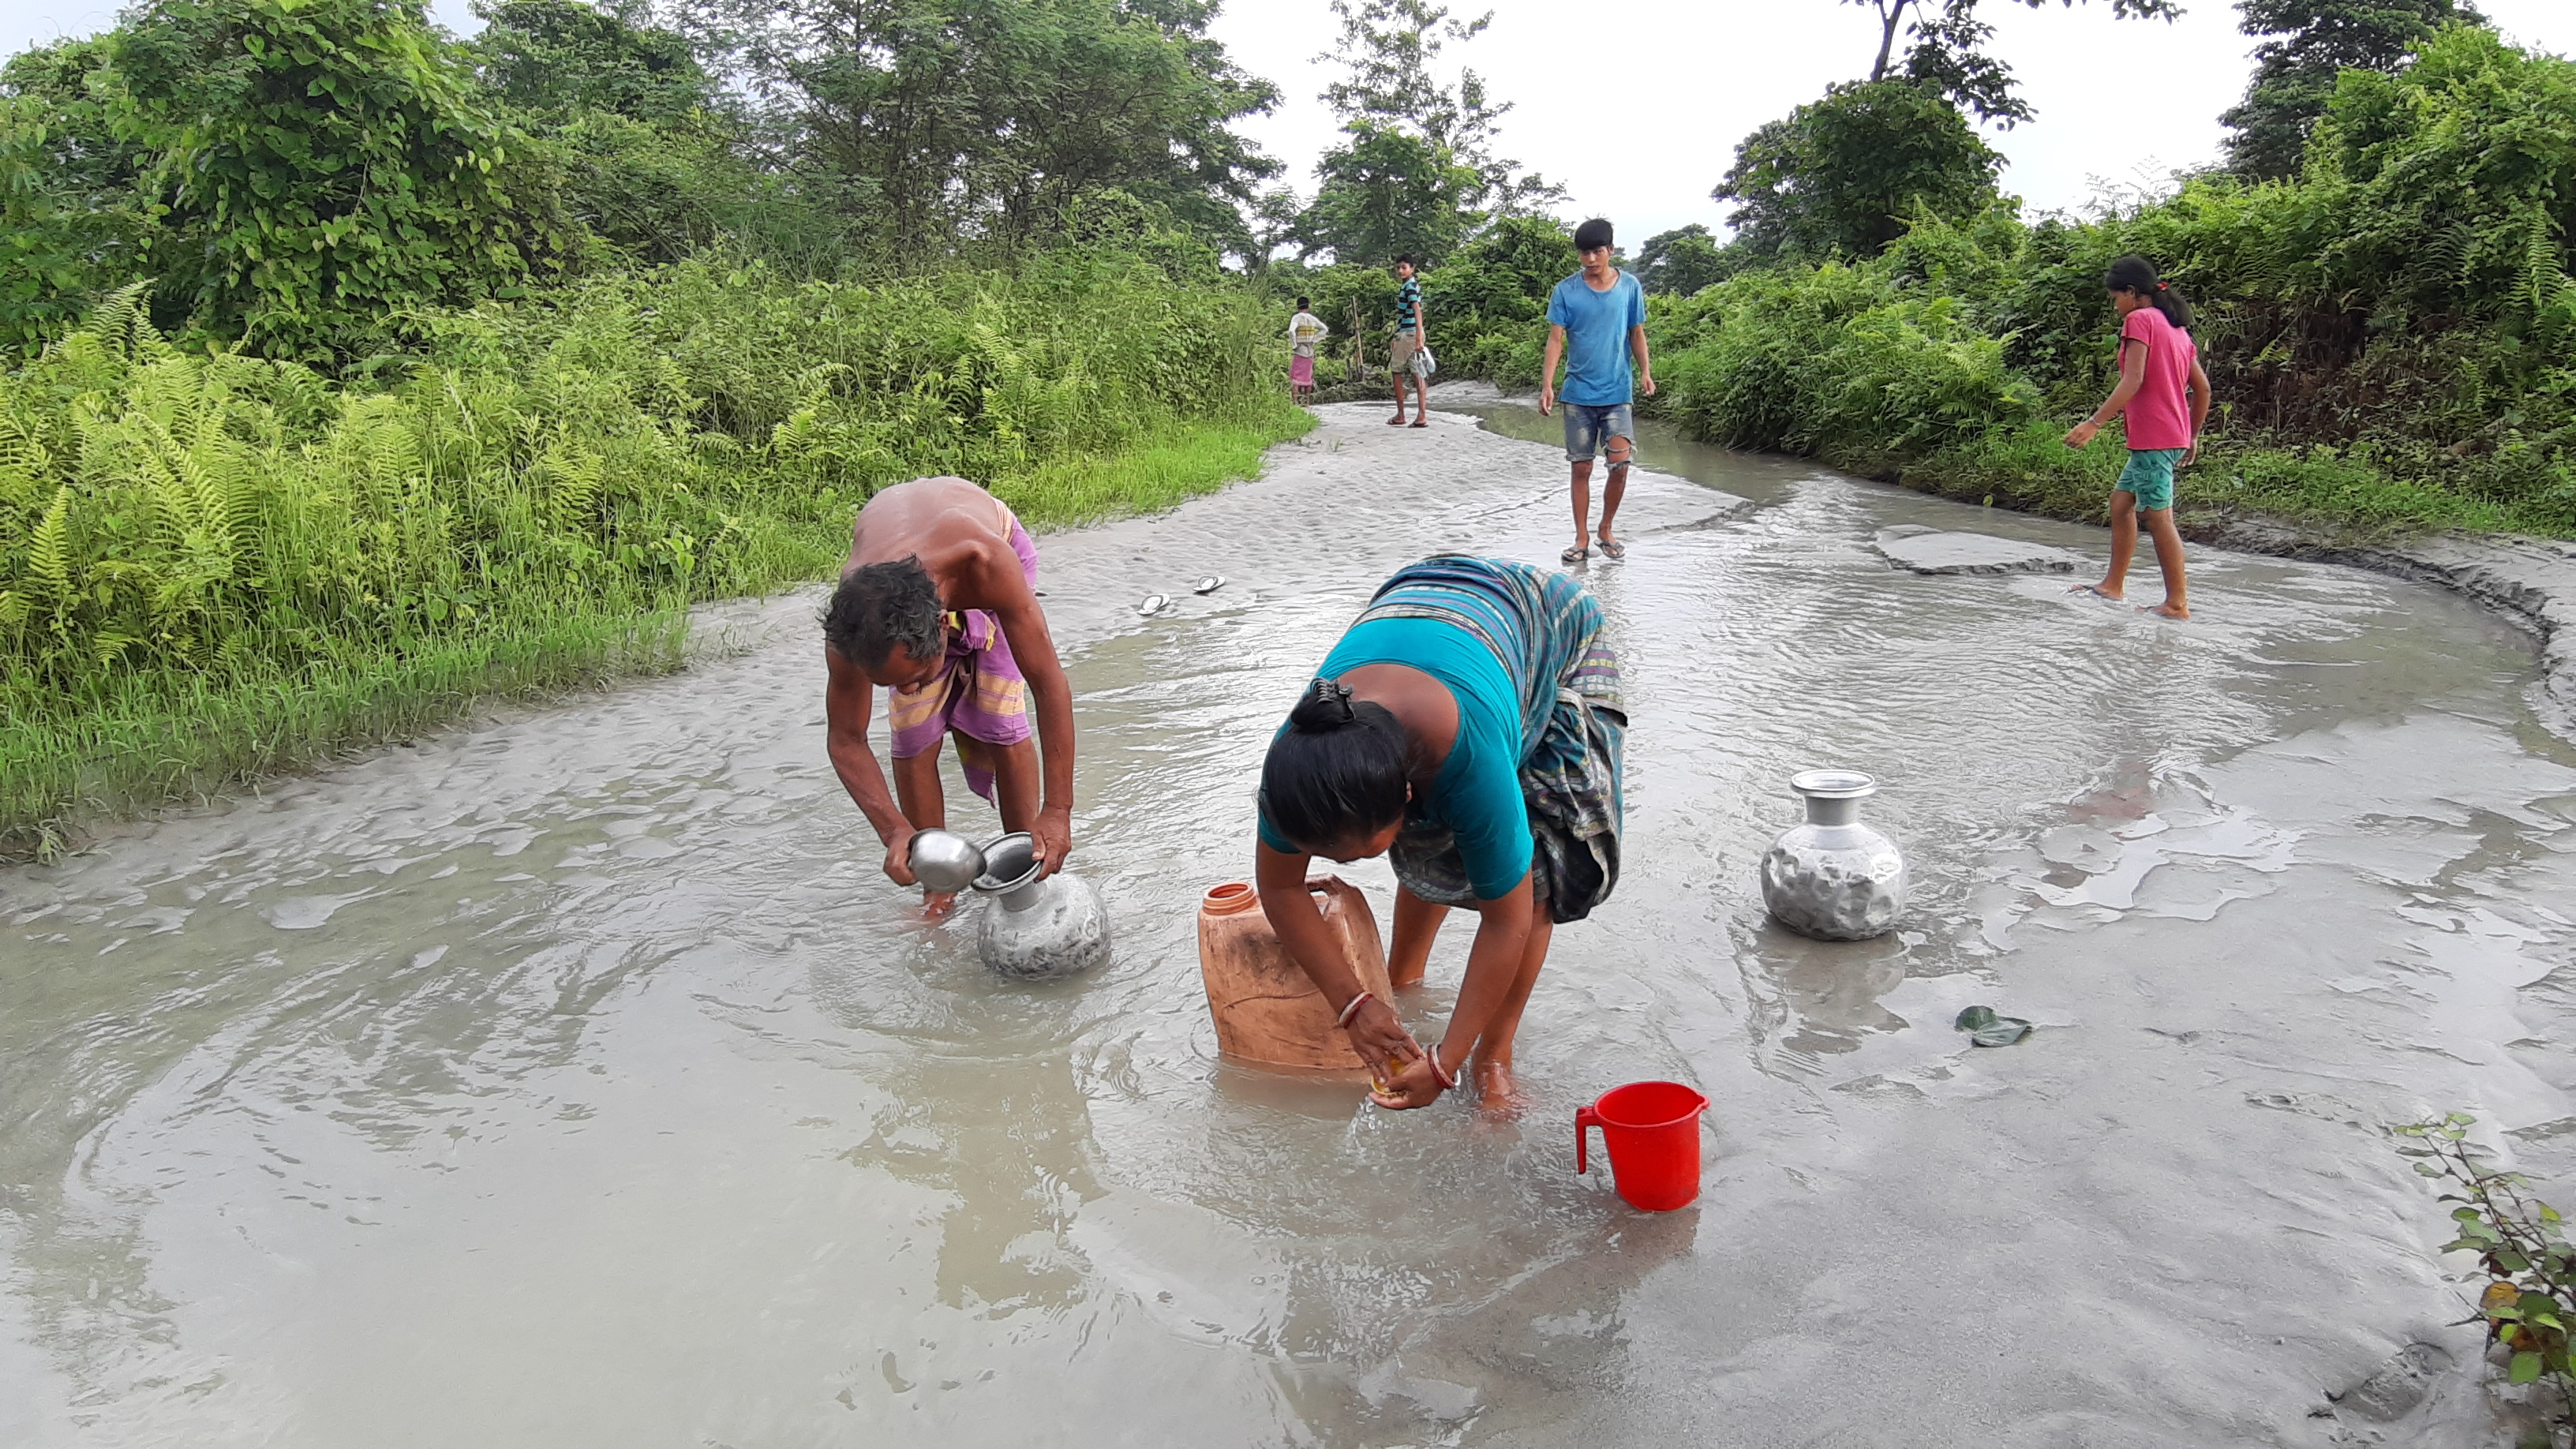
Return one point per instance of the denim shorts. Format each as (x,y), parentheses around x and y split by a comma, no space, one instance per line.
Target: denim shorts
(1589,429)
(2150,476)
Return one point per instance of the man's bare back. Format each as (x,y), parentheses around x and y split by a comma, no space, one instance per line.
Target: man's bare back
(961,534)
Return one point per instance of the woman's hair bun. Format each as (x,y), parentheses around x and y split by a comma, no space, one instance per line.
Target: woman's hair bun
(1326,707)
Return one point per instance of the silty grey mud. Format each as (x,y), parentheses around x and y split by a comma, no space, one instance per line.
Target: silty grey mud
(579,1080)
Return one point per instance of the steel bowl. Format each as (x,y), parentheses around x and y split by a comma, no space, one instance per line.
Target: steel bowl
(1010,862)
(945,862)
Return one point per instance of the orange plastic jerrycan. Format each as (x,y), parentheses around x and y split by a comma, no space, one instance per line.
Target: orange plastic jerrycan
(1267,1013)
(1652,1131)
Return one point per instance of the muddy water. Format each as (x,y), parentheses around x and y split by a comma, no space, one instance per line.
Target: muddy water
(576,1080)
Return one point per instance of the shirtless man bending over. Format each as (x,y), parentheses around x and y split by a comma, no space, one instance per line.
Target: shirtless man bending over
(938,603)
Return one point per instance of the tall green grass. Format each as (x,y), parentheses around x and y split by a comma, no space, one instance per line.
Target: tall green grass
(214,566)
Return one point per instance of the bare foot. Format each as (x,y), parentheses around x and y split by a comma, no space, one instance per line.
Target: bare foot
(2099,592)
(2170,610)
(1397,421)
(1498,1094)
(1408,983)
(938,905)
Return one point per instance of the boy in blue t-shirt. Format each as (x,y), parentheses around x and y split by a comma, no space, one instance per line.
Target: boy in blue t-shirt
(1603,311)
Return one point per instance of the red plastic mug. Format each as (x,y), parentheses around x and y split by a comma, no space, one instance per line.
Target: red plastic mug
(1652,1131)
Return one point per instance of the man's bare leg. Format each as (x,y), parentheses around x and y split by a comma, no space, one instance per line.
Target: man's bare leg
(1421,401)
(917,791)
(1499,1092)
(2160,526)
(1016,782)
(1399,397)
(1417,925)
(1583,505)
(2124,546)
(1619,452)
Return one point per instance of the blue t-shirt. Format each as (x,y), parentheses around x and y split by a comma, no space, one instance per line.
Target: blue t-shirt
(1596,338)
(1477,793)
(1408,304)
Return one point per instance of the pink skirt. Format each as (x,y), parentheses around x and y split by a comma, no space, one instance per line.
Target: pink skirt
(1301,372)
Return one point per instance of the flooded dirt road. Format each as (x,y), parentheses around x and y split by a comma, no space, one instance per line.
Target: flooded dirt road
(577,1080)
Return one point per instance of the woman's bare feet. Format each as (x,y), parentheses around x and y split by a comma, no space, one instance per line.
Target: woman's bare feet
(2171,610)
(1498,1093)
(938,905)
(2098,591)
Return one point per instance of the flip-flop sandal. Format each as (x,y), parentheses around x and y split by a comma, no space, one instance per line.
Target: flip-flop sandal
(1422,422)
(1574,555)
(1612,548)
(1396,422)
(2095,591)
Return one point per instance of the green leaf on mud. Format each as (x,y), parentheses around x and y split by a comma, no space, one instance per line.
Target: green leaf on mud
(1986,1029)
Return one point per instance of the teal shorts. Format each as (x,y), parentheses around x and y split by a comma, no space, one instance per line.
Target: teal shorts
(2150,476)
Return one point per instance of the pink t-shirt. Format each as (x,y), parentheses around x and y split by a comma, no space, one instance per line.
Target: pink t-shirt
(2160,415)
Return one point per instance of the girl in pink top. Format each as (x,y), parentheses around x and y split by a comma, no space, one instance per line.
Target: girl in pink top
(2166,398)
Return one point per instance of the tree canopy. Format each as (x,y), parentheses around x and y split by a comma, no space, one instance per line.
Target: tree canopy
(2315,41)
(1684,260)
(983,120)
(1417,173)
(1948,54)
(1845,173)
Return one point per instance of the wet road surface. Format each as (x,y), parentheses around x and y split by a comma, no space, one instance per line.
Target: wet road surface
(577,1080)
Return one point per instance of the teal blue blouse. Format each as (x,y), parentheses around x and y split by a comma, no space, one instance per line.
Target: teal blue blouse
(1477,793)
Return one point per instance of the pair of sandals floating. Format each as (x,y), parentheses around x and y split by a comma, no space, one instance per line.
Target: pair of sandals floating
(1398,421)
(1611,548)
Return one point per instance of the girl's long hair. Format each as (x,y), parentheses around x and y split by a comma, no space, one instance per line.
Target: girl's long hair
(2137,274)
(1337,771)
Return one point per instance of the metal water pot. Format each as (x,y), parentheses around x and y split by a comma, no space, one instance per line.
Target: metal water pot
(944,862)
(1834,878)
(1037,928)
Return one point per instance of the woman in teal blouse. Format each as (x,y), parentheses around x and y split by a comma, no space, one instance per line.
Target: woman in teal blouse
(1470,725)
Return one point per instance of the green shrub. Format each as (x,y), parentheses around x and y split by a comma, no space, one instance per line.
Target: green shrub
(184,534)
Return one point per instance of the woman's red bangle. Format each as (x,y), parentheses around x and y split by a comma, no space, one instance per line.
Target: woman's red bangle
(1353,1009)
(1438,1074)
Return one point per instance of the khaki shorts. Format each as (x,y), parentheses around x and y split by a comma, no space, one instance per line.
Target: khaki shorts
(1400,355)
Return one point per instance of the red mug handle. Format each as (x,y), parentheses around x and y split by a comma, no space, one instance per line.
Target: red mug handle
(1585,1119)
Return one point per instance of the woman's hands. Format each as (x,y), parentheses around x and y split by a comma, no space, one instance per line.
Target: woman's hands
(1415,1086)
(1378,1035)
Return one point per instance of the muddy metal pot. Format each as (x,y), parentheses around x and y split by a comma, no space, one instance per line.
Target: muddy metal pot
(1037,928)
(1834,878)
(1267,1013)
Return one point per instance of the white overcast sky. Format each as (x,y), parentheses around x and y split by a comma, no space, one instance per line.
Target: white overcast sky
(1636,105)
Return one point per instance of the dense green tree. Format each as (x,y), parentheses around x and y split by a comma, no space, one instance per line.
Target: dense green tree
(1387,192)
(941,121)
(2314,41)
(1686,259)
(1417,172)
(1948,50)
(558,58)
(320,164)
(1845,174)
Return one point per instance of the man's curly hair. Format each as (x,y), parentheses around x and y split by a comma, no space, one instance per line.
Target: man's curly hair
(880,607)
